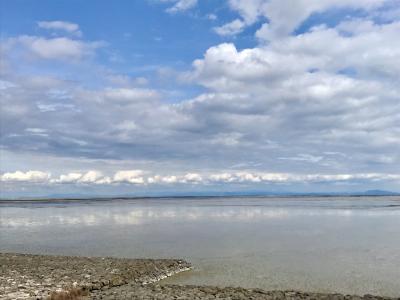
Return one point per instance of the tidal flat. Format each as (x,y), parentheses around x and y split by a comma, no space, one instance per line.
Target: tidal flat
(346,245)
(33,277)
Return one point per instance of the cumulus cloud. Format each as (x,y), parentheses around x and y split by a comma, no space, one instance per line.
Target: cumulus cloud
(69,178)
(321,102)
(189,178)
(28,176)
(130,176)
(193,177)
(89,177)
(60,25)
(163,179)
(283,17)
(138,177)
(280,84)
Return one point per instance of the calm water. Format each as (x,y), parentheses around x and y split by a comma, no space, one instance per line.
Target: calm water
(349,245)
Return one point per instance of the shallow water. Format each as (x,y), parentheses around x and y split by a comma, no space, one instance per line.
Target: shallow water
(335,244)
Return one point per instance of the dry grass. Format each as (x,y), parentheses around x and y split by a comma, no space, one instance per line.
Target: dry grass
(69,294)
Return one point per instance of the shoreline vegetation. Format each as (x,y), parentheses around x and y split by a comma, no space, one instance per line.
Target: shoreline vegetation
(47,277)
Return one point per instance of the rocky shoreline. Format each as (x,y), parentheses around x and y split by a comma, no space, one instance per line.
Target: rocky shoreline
(25,276)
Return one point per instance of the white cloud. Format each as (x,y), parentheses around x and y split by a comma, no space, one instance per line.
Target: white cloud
(249,10)
(296,85)
(368,48)
(283,105)
(137,177)
(59,48)
(61,25)
(256,177)
(255,101)
(180,5)
(231,28)
(130,176)
(192,178)
(284,16)
(29,176)
(90,177)
(169,179)
(69,178)
(236,177)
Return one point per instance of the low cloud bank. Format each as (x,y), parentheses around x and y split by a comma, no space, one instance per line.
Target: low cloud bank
(139,177)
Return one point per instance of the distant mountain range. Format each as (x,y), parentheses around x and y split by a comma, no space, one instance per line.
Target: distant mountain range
(380,193)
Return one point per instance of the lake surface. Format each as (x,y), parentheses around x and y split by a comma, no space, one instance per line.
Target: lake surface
(333,244)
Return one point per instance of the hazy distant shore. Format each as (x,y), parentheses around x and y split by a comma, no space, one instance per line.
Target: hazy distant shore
(25,276)
(372,193)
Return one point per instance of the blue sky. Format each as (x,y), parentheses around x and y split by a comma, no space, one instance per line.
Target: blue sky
(172,96)
(139,32)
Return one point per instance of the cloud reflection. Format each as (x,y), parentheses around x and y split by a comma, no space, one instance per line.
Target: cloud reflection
(145,215)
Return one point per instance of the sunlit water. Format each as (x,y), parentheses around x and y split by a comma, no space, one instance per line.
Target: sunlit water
(349,245)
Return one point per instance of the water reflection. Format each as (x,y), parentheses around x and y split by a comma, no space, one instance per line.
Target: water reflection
(336,244)
(98,215)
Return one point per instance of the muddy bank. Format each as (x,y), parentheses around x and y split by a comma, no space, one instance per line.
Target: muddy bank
(162,292)
(24,276)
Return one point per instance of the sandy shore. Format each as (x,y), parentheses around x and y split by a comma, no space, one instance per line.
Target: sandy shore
(25,276)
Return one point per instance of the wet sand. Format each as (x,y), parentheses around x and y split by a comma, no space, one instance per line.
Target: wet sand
(25,276)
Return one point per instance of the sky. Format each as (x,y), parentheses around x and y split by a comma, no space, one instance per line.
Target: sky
(164,97)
